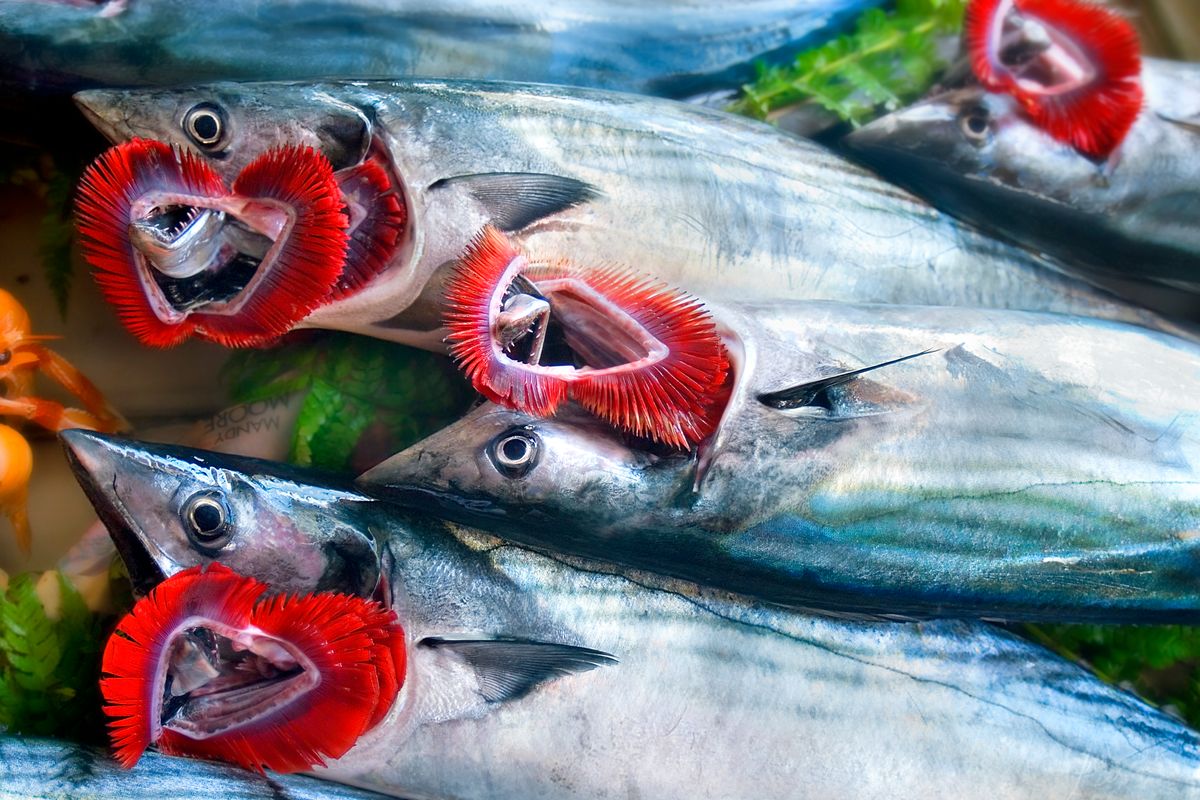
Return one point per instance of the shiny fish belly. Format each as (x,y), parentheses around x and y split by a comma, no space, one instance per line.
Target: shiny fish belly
(33,767)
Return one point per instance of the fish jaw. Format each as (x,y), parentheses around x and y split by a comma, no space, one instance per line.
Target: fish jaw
(272,527)
(94,460)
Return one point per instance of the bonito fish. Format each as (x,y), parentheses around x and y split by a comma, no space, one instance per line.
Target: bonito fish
(671,47)
(34,768)
(532,676)
(1132,215)
(875,459)
(713,204)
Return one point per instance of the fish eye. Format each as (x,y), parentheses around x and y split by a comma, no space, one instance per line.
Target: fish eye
(976,124)
(207,519)
(205,125)
(5,357)
(515,452)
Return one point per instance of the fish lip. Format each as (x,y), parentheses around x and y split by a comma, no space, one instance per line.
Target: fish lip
(84,451)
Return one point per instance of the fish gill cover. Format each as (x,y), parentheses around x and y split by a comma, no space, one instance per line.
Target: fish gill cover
(208,664)
(1073,65)
(640,355)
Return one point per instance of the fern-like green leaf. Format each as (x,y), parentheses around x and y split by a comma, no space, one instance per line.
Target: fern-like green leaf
(363,398)
(30,643)
(888,60)
(49,668)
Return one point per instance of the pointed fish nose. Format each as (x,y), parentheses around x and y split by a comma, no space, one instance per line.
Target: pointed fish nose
(100,106)
(90,454)
(95,459)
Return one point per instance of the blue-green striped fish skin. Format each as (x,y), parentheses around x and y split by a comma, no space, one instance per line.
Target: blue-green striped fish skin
(717,205)
(1131,216)
(671,47)
(710,695)
(1032,467)
(34,768)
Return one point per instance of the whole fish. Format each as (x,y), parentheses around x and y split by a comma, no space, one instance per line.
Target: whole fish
(47,768)
(671,47)
(888,460)
(533,676)
(974,155)
(715,204)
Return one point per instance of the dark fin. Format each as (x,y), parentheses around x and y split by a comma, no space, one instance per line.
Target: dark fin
(1190,123)
(804,394)
(517,199)
(510,668)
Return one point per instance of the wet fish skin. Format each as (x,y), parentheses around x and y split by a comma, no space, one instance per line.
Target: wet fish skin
(1132,216)
(671,47)
(710,693)
(998,476)
(706,201)
(33,767)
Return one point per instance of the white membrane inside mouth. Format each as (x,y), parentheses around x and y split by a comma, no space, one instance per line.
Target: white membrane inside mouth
(599,336)
(199,253)
(217,679)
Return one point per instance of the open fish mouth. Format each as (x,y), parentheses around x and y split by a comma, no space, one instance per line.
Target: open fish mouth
(179,254)
(640,355)
(210,664)
(1074,67)
(217,678)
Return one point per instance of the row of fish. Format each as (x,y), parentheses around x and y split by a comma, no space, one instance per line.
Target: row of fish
(888,434)
(548,676)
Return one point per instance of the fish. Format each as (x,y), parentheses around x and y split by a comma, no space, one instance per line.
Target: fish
(40,767)
(670,47)
(547,676)
(716,205)
(889,461)
(1130,216)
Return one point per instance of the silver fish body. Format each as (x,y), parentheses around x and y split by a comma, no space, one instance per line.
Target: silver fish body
(974,155)
(33,767)
(599,683)
(714,204)
(1022,466)
(673,47)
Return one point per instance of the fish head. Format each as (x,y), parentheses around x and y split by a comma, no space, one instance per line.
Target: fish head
(960,146)
(232,212)
(170,508)
(231,124)
(495,465)
(960,129)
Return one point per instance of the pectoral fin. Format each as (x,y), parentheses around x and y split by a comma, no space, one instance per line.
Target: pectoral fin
(517,199)
(510,668)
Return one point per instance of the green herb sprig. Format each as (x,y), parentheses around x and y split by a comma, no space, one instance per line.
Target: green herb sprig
(889,59)
(49,667)
(359,394)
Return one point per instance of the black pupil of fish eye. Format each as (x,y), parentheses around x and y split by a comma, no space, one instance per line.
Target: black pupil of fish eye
(976,124)
(5,357)
(205,126)
(515,449)
(207,517)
